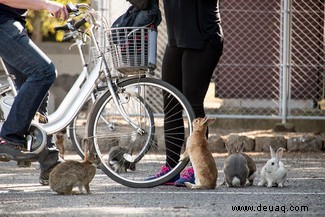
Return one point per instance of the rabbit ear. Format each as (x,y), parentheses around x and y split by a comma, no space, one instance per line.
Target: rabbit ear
(87,148)
(207,121)
(240,147)
(228,147)
(279,154)
(210,121)
(272,152)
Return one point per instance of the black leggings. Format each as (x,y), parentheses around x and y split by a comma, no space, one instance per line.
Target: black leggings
(190,71)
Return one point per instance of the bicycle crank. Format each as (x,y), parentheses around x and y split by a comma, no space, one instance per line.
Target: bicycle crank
(36,138)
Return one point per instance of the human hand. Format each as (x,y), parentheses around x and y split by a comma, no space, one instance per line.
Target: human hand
(57,10)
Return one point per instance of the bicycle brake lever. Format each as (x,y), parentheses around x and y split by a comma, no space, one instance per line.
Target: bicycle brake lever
(74,44)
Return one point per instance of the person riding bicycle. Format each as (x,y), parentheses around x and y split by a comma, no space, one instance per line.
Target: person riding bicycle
(34,74)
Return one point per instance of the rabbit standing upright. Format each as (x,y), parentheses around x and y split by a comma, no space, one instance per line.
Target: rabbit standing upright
(72,173)
(205,169)
(273,173)
(235,166)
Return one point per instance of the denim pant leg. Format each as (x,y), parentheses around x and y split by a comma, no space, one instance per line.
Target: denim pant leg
(21,53)
(18,51)
(50,155)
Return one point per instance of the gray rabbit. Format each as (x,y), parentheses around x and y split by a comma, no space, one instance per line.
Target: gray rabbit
(235,166)
(117,160)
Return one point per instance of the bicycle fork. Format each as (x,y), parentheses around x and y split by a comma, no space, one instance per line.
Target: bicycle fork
(121,110)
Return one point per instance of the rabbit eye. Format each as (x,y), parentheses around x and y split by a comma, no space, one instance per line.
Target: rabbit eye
(272,163)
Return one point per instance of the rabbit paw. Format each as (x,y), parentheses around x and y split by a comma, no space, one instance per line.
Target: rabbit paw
(189,185)
(269,185)
(183,157)
(260,184)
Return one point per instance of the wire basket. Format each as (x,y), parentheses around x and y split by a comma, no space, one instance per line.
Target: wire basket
(133,49)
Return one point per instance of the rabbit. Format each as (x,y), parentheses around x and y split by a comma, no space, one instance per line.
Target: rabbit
(235,166)
(59,142)
(117,160)
(273,172)
(205,169)
(252,173)
(69,174)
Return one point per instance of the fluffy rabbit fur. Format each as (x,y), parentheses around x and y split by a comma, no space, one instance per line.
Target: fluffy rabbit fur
(251,169)
(273,173)
(235,166)
(205,169)
(117,160)
(59,142)
(72,173)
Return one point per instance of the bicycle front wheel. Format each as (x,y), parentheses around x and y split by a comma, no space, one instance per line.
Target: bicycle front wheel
(129,154)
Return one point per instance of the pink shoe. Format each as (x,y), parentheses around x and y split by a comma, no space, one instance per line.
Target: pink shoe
(187,175)
(164,169)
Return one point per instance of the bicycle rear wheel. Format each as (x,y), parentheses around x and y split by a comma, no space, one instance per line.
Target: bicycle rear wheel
(130,155)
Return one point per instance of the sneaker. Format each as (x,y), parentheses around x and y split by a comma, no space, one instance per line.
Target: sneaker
(14,151)
(187,175)
(44,178)
(163,171)
(45,175)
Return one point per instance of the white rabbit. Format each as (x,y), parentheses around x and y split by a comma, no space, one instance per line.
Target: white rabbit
(273,173)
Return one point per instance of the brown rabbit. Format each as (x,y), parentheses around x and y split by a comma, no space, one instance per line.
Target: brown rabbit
(205,169)
(59,142)
(72,173)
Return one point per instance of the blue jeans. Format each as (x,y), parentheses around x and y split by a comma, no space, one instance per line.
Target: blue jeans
(34,75)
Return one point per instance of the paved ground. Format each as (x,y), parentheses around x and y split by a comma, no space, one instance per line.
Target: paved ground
(303,194)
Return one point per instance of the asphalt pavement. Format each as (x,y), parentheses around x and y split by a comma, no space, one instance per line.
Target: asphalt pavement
(302,195)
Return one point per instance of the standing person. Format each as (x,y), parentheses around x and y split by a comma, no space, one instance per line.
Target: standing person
(34,75)
(195,44)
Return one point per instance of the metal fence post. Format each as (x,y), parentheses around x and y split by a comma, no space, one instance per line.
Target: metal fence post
(285,60)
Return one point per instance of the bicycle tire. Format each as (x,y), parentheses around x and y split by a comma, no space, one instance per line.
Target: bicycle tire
(77,129)
(152,92)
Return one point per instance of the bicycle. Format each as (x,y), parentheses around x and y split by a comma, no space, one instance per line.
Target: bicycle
(130,114)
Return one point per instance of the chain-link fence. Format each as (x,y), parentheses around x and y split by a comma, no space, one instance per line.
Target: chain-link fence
(273,61)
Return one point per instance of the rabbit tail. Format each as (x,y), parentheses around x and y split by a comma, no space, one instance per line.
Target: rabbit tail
(236,182)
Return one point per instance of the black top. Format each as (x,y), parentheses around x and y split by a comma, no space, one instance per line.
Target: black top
(8,13)
(190,23)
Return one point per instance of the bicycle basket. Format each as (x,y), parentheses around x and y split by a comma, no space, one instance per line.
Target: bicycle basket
(133,49)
